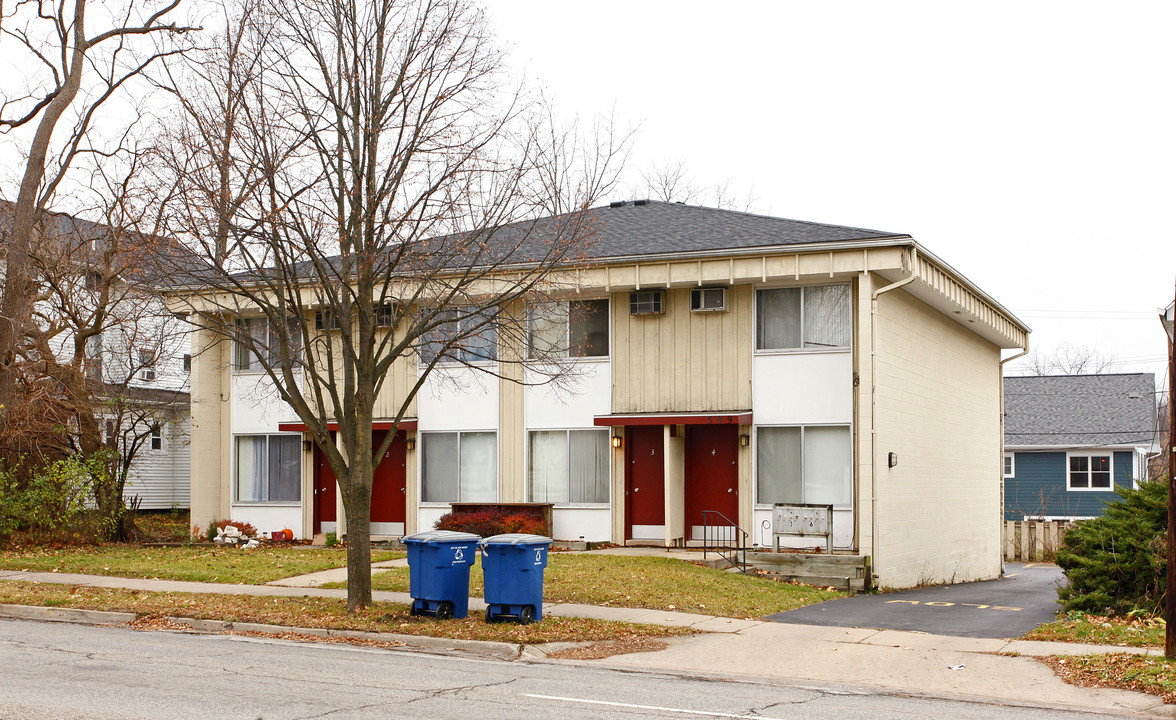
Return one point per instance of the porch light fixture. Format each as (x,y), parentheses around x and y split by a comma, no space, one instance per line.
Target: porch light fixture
(307,445)
(892,460)
(617,441)
(744,440)
(410,443)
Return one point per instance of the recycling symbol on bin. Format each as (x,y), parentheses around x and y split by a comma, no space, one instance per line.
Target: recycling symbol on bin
(458,554)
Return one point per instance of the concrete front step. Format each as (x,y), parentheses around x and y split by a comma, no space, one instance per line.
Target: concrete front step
(844,572)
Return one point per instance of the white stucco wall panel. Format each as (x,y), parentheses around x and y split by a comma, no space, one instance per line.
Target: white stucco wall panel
(571,402)
(256,406)
(590,524)
(269,518)
(458,398)
(938,409)
(802,388)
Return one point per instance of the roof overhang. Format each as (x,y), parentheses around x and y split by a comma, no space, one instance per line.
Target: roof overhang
(734,417)
(405,424)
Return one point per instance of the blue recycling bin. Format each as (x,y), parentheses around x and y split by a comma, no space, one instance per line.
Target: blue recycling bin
(439,572)
(512,568)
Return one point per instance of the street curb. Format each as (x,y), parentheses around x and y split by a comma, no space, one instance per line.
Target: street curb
(74,615)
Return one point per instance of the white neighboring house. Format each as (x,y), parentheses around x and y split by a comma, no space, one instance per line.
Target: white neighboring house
(138,365)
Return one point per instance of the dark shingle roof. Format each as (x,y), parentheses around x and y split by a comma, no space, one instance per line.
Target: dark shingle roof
(650,227)
(1071,410)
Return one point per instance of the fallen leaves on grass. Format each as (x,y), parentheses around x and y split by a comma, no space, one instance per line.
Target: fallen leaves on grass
(318,612)
(599,651)
(1080,627)
(1127,671)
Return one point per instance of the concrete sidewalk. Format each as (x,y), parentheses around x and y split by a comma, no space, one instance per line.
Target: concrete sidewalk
(906,661)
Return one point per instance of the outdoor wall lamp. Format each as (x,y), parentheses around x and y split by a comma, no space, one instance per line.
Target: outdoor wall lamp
(744,440)
(410,443)
(892,460)
(618,441)
(307,445)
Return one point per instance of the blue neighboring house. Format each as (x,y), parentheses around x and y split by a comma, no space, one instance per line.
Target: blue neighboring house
(1069,437)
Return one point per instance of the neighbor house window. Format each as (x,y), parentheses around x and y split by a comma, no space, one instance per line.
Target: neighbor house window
(94,352)
(465,335)
(258,345)
(804,465)
(1090,472)
(269,468)
(809,318)
(156,437)
(577,328)
(569,466)
(187,363)
(459,467)
(1010,467)
(147,363)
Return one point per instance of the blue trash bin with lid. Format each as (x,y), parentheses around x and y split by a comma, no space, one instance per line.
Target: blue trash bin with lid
(512,569)
(439,572)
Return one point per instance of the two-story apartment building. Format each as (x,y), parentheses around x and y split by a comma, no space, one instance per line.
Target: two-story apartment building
(724,361)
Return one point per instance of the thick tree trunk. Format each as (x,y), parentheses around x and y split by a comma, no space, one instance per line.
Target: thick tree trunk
(357,504)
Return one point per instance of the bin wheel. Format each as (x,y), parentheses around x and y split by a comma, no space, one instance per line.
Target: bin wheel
(491,617)
(413,610)
(526,615)
(445,610)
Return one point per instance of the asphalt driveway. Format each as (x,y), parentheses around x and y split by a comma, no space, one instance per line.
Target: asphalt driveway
(1009,607)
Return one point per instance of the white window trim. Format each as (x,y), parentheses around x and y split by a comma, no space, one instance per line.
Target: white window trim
(1109,454)
(420,482)
(1012,465)
(755,460)
(565,430)
(451,363)
(162,437)
(234,502)
(801,350)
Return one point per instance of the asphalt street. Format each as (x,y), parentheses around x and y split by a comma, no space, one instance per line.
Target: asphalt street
(1005,608)
(67,671)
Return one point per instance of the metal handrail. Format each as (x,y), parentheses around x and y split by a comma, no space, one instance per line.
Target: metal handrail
(737,550)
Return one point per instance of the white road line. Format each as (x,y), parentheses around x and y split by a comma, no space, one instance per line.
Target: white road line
(648,707)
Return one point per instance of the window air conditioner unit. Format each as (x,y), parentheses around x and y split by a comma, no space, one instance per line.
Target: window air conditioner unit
(713,299)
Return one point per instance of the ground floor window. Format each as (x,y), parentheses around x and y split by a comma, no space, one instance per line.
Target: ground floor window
(269,468)
(808,464)
(459,467)
(1090,472)
(568,466)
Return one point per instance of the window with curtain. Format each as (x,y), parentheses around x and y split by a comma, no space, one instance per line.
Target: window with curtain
(569,466)
(577,328)
(258,345)
(459,466)
(269,468)
(804,465)
(470,334)
(808,318)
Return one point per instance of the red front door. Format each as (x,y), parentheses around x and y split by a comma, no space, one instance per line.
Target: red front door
(324,491)
(712,474)
(645,482)
(388,483)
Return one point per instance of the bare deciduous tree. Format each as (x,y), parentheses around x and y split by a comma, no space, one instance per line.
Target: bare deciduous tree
(671,181)
(1069,359)
(381,180)
(77,72)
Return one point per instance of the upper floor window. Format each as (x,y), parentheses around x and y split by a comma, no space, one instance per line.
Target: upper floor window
(647,302)
(1090,472)
(576,328)
(258,345)
(466,335)
(809,318)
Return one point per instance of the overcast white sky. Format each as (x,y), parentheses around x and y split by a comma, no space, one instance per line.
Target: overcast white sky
(1029,144)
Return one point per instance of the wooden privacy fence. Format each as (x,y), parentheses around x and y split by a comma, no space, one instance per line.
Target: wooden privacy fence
(1034,540)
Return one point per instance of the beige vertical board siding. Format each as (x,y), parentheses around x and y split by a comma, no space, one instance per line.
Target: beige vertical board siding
(411,486)
(618,493)
(210,432)
(862,428)
(512,462)
(675,464)
(402,376)
(938,408)
(683,361)
(308,490)
(746,479)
